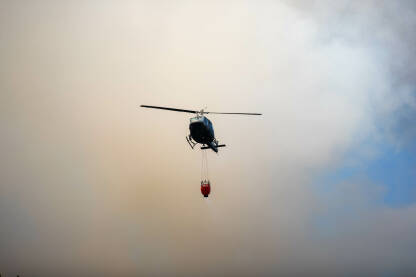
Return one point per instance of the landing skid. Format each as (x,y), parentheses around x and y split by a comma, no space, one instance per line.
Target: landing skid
(191,142)
(216,145)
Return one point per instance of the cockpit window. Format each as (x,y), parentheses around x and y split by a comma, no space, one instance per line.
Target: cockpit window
(194,119)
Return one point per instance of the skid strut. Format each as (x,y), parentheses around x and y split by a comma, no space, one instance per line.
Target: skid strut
(191,142)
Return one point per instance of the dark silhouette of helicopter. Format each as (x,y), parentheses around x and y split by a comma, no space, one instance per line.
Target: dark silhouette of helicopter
(200,127)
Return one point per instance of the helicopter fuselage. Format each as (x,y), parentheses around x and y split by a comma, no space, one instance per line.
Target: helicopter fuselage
(201,129)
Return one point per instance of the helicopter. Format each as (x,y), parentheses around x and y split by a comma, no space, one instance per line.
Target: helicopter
(200,127)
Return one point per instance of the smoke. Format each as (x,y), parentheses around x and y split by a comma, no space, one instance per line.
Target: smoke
(93,185)
(386,28)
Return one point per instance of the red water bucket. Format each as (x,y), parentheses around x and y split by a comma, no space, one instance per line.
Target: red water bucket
(205,188)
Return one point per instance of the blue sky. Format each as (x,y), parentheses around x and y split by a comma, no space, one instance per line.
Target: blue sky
(392,170)
(395,170)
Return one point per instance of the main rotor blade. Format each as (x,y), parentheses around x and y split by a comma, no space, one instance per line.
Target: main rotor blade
(236,113)
(169,109)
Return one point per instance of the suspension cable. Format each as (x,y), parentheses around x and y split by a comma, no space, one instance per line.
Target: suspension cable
(204,166)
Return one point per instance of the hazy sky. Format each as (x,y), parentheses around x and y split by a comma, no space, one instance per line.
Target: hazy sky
(323,184)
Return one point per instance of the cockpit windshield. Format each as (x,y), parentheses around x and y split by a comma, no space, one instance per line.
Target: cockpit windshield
(198,119)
